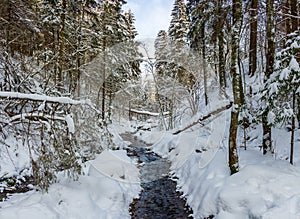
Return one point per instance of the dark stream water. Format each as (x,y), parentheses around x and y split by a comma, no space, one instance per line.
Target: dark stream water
(158,199)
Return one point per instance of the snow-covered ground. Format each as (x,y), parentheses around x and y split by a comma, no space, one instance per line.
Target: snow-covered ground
(265,187)
(109,185)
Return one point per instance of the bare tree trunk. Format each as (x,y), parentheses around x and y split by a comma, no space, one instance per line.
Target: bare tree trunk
(294,13)
(103,95)
(236,87)
(222,76)
(204,62)
(270,56)
(293,130)
(288,26)
(61,46)
(253,38)
(295,25)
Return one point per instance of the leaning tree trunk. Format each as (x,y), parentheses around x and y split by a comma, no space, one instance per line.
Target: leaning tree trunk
(267,130)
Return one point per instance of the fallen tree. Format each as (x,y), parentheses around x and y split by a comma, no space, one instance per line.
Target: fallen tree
(204,118)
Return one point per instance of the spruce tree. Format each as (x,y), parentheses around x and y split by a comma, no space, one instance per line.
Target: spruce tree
(161,52)
(177,34)
(283,87)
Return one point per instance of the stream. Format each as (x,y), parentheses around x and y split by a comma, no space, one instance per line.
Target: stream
(158,199)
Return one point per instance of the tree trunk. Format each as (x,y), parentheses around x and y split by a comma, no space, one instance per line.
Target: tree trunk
(286,10)
(293,129)
(62,45)
(294,13)
(103,96)
(236,87)
(222,76)
(203,50)
(253,38)
(270,56)
(295,25)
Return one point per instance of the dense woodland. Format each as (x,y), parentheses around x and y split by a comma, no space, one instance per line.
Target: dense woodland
(66,64)
(239,44)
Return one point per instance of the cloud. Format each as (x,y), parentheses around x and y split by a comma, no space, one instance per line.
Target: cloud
(151,16)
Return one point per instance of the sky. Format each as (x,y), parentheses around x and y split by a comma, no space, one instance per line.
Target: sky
(151,16)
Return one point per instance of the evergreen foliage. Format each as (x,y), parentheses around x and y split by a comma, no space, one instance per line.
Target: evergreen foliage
(284,83)
(46,47)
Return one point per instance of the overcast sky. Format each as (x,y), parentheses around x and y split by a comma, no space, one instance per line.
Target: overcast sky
(151,16)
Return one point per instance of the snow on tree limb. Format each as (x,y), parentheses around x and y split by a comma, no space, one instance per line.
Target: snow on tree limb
(39,97)
(204,118)
(148,113)
(41,116)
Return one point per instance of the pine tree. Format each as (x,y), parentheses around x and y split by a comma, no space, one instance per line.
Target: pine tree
(161,52)
(198,13)
(179,25)
(283,87)
(120,56)
(177,34)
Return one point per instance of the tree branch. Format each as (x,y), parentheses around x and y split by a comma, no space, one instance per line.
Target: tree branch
(39,97)
(204,118)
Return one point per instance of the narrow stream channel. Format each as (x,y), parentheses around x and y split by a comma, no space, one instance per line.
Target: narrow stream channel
(158,199)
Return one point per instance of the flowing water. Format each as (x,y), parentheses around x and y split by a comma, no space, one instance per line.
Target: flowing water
(158,199)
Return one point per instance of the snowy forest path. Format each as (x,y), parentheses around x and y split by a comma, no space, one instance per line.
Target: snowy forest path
(158,198)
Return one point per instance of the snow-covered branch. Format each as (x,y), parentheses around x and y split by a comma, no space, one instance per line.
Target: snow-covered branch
(40,97)
(204,118)
(39,115)
(147,112)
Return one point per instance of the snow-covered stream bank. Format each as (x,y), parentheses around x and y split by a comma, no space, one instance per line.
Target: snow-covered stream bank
(109,185)
(264,188)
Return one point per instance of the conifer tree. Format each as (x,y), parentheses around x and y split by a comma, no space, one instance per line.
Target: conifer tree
(198,15)
(178,26)
(119,51)
(178,45)
(161,52)
(283,87)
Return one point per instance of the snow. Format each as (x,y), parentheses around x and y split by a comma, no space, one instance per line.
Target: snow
(14,157)
(264,187)
(271,118)
(70,123)
(273,88)
(40,97)
(147,112)
(294,65)
(284,74)
(107,189)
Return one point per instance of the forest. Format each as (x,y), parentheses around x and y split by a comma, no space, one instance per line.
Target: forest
(221,93)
